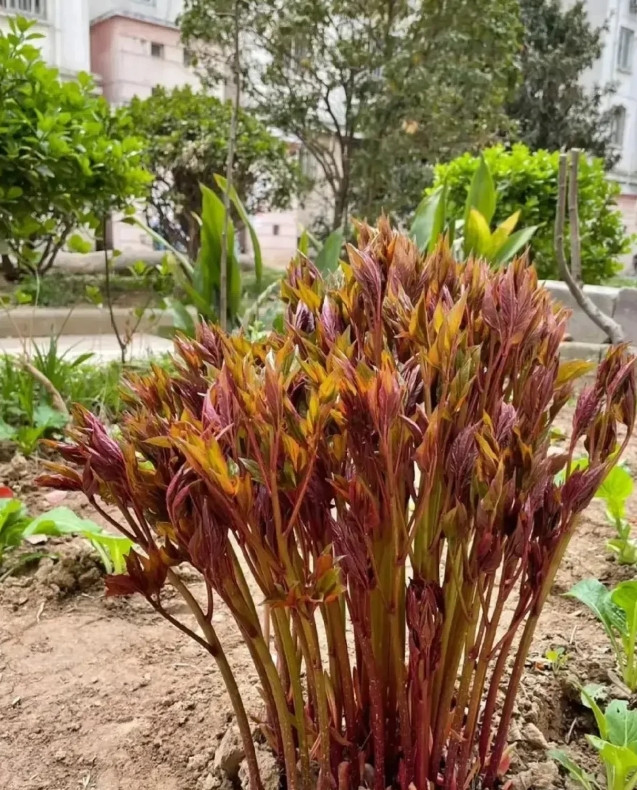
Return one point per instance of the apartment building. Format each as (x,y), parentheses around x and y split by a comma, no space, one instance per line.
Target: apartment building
(135,45)
(618,66)
(64,26)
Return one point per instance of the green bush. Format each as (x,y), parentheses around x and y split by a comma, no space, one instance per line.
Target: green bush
(66,161)
(527,181)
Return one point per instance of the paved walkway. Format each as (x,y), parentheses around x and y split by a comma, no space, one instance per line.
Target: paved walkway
(104,347)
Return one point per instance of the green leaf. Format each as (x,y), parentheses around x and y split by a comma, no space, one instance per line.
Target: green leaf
(590,702)
(593,594)
(574,770)
(208,273)
(78,244)
(112,550)
(622,724)
(427,224)
(514,244)
(481,195)
(304,243)
(615,490)
(61,521)
(45,417)
(477,236)
(330,253)
(241,211)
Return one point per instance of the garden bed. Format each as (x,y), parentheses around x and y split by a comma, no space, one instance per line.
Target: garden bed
(89,702)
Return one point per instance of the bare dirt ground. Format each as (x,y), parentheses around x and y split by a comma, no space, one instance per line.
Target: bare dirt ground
(103,694)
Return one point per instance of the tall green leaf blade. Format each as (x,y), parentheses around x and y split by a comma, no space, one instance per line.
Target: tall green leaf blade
(426,218)
(330,253)
(209,260)
(241,211)
(481,195)
(517,241)
(477,236)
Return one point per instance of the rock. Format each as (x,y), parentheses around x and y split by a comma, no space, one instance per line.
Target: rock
(533,714)
(539,776)
(514,732)
(197,762)
(229,753)
(534,736)
(268,768)
(214,781)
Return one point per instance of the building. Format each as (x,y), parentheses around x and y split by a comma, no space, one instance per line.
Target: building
(135,45)
(64,26)
(618,66)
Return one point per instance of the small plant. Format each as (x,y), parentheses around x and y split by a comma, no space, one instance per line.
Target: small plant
(615,491)
(617,612)
(557,658)
(616,745)
(45,421)
(381,474)
(471,235)
(16,526)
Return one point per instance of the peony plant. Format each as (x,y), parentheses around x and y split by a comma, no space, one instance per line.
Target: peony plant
(381,474)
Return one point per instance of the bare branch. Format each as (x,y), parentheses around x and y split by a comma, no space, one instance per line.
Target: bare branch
(573,217)
(603,321)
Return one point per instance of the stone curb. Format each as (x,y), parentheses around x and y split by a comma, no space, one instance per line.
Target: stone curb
(46,321)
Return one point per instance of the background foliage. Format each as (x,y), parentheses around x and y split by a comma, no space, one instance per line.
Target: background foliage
(186,140)
(65,160)
(527,181)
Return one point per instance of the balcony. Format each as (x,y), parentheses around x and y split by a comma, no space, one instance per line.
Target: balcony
(28,8)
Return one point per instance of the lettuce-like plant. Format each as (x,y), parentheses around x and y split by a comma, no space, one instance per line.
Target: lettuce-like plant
(616,610)
(380,473)
(616,746)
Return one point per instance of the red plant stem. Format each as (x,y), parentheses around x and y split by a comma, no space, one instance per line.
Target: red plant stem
(480,678)
(336,623)
(375,689)
(228,678)
(282,627)
(309,638)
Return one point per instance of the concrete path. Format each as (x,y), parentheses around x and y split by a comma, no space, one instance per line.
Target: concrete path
(104,347)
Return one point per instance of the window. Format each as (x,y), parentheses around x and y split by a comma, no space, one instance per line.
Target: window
(156,50)
(189,57)
(618,126)
(276,229)
(632,6)
(625,51)
(28,7)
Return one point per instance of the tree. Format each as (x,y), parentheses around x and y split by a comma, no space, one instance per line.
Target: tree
(552,107)
(528,181)
(373,89)
(187,134)
(65,161)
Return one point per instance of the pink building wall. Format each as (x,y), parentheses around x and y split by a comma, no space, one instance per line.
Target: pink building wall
(122,54)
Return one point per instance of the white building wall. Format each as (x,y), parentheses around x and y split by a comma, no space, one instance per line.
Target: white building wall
(64,26)
(165,11)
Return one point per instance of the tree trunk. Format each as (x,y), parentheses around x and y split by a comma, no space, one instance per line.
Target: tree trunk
(232,144)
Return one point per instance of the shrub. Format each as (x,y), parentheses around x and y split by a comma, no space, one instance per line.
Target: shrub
(527,181)
(65,161)
(380,474)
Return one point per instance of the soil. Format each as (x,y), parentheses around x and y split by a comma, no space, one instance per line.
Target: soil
(89,702)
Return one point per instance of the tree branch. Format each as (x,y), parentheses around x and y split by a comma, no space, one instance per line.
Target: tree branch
(603,321)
